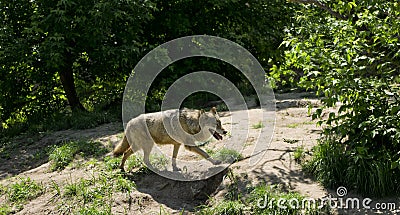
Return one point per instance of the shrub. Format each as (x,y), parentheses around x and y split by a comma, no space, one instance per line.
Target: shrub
(357,169)
(351,59)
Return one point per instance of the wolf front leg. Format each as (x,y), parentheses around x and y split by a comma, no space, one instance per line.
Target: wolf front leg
(202,153)
(146,153)
(174,155)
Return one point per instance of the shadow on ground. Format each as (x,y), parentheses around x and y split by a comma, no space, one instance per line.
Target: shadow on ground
(27,152)
(177,195)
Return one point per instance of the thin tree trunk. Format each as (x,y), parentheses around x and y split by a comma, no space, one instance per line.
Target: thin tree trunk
(67,81)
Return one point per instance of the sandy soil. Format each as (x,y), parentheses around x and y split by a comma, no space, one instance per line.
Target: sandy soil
(293,128)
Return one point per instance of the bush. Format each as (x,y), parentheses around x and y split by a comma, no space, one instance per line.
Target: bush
(369,173)
(351,59)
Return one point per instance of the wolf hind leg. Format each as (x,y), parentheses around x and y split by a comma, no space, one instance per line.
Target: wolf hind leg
(132,149)
(127,153)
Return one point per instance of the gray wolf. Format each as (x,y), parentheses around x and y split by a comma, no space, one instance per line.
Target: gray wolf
(190,126)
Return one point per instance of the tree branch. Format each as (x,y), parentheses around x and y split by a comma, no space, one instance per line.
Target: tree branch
(322,6)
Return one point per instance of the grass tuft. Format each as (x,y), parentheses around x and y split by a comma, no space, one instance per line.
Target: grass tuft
(227,155)
(63,155)
(224,207)
(258,125)
(299,154)
(25,189)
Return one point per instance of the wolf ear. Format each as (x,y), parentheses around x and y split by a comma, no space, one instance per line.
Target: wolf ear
(213,110)
(202,111)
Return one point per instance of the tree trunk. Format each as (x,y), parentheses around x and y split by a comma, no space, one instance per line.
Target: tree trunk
(67,80)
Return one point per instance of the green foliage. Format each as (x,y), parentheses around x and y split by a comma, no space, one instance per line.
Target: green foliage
(299,154)
(352,59)
(49,47)
(328,163)
(80,53)
(94,195)
(5,209)
(224,207)
(99,209)
(263,199)
(159,161)
(227,155)
(293,125)
(63,155)
(357,169)
(112,162)
(258,125)
(232,19)
(132,162)
(25,189)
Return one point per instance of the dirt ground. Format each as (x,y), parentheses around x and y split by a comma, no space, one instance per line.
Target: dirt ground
(293,128)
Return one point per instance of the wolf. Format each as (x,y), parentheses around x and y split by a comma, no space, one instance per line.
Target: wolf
(159,127)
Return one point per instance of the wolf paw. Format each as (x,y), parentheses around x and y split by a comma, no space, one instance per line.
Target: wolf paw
(176,169)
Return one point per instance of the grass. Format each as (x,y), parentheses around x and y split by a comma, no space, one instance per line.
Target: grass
(258,125)
(309,123)
(260,199)
(223,208)
(112,163)
(62,156)
(95,195)
(159,161)
(5,209)
(299,154)
(18,193)
(327,163)
(333,164)
(263,199)
(227,155)
(99,209)
(293,125)
(25,189)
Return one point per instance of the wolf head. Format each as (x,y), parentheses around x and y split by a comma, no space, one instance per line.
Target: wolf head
(210,120)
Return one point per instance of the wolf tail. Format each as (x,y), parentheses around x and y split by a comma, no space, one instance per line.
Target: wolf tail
(121,147)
